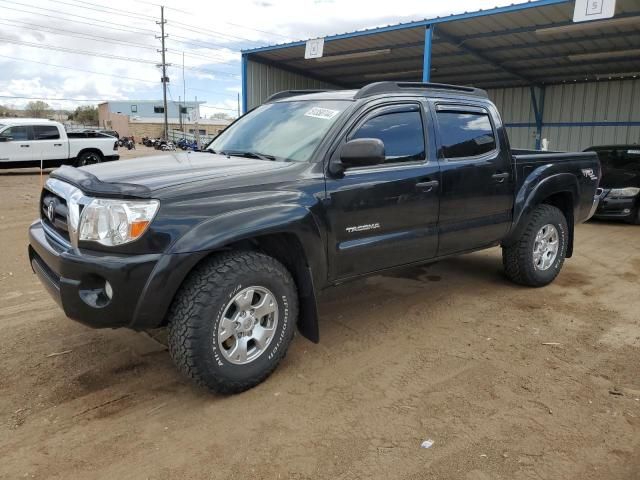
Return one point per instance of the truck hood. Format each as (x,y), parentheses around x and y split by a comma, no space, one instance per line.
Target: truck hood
(178,169)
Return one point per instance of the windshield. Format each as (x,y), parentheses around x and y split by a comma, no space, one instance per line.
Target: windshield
(619,159)
(280,131)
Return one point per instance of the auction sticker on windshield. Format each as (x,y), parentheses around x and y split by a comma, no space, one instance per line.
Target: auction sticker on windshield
(324,113)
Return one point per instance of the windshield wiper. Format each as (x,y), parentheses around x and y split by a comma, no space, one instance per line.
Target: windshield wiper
(247,154)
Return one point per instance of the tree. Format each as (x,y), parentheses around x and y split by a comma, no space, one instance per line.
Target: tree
(38,109)
(86,115)
(4,111)
(221,116)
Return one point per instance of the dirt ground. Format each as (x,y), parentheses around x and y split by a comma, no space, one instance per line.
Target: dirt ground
(510,383)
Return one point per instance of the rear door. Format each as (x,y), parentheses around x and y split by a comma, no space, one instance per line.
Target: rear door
(19,144)
(477,191)
(385,215)
(47,143)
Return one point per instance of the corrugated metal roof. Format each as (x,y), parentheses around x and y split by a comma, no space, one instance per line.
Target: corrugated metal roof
(531,43)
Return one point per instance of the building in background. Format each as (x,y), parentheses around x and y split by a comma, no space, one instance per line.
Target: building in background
(145,118)
(153,109)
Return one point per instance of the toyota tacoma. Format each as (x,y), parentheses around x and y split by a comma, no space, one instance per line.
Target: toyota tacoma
(229,247)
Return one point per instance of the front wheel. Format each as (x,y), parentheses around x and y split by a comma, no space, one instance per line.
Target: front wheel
(536,258)
(233,320)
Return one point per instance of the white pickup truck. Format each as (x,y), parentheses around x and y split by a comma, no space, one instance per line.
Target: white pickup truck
(25,142)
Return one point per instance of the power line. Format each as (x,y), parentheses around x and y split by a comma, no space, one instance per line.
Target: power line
(136,15)
(77,69)
(109,56)
(110,75)
(72,33)
(110,40)
(55,99)
(79,52)
(12,2)
(137,32)
(118,27)
(228,23)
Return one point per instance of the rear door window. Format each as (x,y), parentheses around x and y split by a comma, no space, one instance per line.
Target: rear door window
(46,132)
(465,134)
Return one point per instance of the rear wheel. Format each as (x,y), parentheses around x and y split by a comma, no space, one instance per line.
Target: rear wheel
(536,258)
(233,320)
(88,158)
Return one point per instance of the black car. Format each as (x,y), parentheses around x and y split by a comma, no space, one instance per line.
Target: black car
(620,198)
(231,246)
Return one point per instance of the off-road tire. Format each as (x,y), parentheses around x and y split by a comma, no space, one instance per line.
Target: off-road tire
(517,258)
(199,305)
(88,158)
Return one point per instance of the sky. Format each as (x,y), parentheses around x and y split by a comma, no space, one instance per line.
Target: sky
(93,51)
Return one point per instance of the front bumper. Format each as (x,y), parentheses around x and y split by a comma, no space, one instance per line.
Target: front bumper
(77,281)
(620,208)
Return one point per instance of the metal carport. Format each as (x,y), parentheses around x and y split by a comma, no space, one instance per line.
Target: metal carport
(573,83)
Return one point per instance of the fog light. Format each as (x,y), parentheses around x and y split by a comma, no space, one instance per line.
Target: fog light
(108,290)
(626,210)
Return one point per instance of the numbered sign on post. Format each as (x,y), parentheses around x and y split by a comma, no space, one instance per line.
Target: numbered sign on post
(586,10)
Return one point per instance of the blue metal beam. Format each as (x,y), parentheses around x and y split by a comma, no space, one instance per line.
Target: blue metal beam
(426,58)
(245,91)
(538,111)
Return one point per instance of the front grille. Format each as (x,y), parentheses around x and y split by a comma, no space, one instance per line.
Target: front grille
(58,222)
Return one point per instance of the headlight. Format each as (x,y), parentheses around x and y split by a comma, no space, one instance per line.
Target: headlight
(114,222)
(624,192)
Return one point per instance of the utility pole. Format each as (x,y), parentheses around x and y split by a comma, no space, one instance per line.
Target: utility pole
(184,95)
(195,130)
(165,79)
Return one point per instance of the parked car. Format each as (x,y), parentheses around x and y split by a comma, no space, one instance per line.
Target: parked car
(26,142)
(620,182)
(231,246)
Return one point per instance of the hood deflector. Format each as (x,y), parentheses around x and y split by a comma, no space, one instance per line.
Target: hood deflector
(92,185)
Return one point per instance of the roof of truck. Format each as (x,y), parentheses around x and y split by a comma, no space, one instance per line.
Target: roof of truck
(24,121)
(380,88)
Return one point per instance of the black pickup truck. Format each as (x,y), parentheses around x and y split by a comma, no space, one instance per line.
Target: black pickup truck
(230,246)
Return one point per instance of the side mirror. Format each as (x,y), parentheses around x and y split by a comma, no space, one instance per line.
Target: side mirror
(6,139)
(360,152)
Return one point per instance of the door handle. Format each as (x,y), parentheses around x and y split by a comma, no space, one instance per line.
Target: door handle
(25,146)
(57,144)
(500,177)
(427,185)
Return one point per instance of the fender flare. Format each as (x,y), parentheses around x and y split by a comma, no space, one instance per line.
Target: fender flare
(534,191)
(216,233)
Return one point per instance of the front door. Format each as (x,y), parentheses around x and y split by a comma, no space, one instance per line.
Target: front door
(385,215)
(477,189)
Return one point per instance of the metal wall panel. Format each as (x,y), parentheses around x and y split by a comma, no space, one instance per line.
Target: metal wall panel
(265,80)
(514,105)
(584,104)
